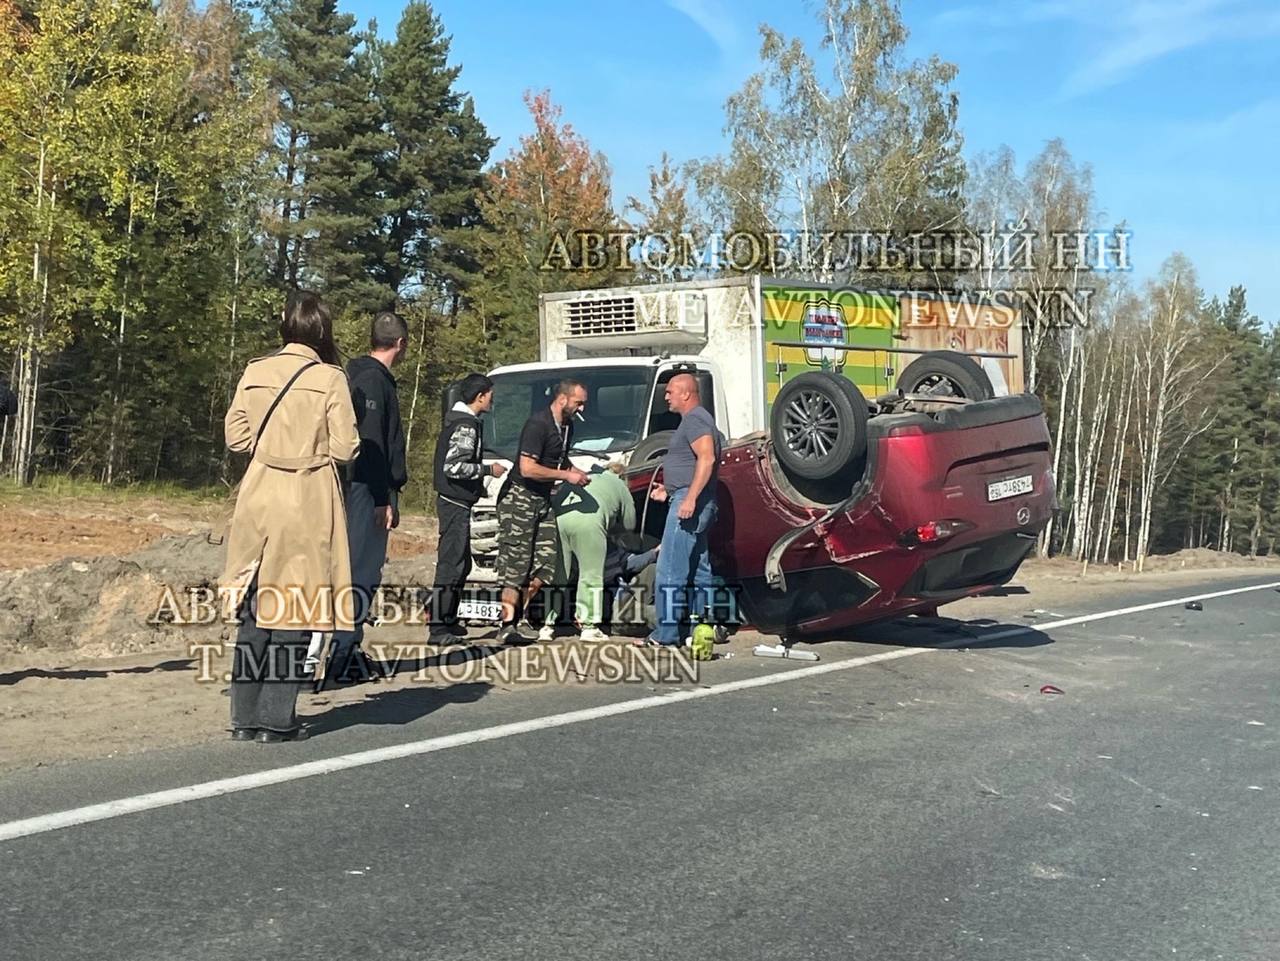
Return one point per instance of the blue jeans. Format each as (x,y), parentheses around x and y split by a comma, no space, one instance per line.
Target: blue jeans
(683,558)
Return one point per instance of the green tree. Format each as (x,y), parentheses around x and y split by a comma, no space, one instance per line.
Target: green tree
(874,148)
(552,186)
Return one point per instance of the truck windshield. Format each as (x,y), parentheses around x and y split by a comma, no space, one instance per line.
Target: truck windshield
(617,405)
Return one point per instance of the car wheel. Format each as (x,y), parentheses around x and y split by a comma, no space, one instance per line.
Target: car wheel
(819,427)
(946,373)
(654,447)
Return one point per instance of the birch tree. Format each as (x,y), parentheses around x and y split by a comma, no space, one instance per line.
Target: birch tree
(872,145)
(1172,402)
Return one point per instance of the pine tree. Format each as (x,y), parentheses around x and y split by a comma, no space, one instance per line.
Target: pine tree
(433,170)
(328,139)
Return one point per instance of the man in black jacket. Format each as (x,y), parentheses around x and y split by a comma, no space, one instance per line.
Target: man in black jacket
(8,402)
(459,482)
(377,476)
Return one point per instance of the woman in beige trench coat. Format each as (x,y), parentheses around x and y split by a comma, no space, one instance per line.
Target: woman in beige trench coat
(288,568)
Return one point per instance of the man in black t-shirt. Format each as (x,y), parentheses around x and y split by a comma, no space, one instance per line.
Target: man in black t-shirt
(528,541)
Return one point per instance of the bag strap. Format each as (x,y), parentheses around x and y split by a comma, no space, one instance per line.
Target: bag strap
(279,397)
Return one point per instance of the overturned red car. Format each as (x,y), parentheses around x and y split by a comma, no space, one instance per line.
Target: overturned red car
(947,501)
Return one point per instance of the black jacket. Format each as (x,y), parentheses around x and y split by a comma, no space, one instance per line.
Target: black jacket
(381,461)
(459,468)
(8,401)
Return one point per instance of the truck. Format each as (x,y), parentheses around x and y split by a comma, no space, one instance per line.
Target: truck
(836,402)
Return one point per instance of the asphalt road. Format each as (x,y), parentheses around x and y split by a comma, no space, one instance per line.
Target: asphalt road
(935,806)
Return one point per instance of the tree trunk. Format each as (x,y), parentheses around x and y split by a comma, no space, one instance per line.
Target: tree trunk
(1046,538)
(417,385)
(117,386)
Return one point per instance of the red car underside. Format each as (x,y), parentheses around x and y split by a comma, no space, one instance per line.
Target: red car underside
(917,531)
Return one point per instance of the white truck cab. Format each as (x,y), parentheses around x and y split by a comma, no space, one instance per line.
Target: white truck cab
(625,405)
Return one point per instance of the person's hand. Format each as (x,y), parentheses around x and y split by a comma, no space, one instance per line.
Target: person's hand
(395,518)
(496,469)
(575,476)
(686,510)
(658,493)
(382,517)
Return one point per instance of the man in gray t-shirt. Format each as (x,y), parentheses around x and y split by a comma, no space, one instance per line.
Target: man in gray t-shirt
(689,488)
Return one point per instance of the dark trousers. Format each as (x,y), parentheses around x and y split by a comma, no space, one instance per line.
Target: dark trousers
(266,673)
(368,545)
(453,561)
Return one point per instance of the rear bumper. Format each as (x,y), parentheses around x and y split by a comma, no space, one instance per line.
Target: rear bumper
(956,573)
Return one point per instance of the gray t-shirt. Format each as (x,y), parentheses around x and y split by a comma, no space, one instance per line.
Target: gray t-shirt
(678,465)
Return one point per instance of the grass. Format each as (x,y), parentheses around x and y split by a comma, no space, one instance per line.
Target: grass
(62,488)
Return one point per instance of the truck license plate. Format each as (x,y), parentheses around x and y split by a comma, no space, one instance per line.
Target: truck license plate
(480,611)
(1009,487)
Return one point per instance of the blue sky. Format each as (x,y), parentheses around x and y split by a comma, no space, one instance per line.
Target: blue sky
(1175,104)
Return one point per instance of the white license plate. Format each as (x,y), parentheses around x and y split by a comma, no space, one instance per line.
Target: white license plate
(480,611)
(1009,487)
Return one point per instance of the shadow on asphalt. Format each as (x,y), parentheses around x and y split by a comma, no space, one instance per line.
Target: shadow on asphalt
(400,706)
(983,632)
(84,674)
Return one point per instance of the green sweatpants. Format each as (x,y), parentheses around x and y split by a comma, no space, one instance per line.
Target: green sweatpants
(582,539)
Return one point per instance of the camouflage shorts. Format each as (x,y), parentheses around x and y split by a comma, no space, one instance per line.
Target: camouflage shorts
(528,542)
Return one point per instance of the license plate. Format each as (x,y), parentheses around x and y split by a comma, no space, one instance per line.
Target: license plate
(1009,487)
(480,611)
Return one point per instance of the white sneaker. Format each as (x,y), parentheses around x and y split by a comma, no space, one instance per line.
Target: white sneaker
(593,634)
(546,634)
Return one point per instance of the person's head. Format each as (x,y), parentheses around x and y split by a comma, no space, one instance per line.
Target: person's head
(682,393)
(570,398)
(306,321)
(476,391)
(388,338)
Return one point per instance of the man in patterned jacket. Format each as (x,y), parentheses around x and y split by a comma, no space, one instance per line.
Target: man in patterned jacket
(459,482)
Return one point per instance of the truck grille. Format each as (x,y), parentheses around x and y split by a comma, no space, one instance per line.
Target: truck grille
(615,315)
(484,544)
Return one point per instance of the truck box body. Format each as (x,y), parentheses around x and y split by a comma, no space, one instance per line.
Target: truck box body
(766,332)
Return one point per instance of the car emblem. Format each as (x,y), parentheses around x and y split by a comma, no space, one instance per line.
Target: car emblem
(1024,515)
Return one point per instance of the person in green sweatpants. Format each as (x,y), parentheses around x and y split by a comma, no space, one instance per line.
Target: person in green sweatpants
(587,515)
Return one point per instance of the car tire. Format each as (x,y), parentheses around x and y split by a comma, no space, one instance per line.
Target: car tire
(946,373)
(654,447)
(819,427)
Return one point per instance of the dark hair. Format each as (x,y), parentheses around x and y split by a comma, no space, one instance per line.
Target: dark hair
(567,387)
(307,321)
(386,329)
(473,385)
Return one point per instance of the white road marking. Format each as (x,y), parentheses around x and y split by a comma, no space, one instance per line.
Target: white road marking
(344,762)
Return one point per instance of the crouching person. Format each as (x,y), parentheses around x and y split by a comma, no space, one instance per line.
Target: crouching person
(587,517)
(287,553)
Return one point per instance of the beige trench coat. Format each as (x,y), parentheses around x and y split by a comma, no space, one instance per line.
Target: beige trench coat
(289,525)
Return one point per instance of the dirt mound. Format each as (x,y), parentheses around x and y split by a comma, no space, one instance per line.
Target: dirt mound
(1201,558)
(100,606)
(31,537)
(107,606)
(95,607)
